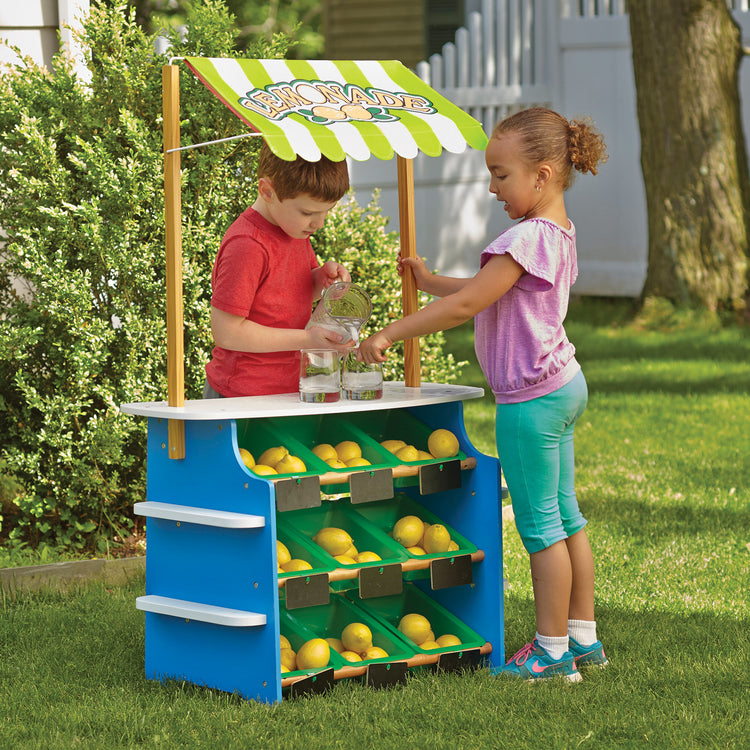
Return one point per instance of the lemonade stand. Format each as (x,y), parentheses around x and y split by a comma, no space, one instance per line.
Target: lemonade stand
(220,610)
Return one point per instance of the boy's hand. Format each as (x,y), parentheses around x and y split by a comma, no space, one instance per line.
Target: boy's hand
(331,272)
(372,348)
(418,268)
(322,338)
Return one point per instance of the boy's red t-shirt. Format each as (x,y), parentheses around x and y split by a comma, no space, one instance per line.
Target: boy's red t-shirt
(264,275)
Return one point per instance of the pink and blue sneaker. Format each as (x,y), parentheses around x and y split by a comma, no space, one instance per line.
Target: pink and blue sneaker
(533,663)
(588,656)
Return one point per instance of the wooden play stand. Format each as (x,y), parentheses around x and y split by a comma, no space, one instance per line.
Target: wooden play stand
(215,601)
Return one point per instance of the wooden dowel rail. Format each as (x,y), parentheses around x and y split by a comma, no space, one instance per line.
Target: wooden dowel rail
(399,471)
(417,563)
(418,660)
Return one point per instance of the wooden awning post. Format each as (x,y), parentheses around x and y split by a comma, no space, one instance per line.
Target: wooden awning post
(412,372)
(173,240)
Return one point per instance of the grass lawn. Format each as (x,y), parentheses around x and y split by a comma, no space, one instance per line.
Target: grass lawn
(663,461)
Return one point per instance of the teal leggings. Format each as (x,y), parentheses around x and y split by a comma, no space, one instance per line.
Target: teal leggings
(535,447)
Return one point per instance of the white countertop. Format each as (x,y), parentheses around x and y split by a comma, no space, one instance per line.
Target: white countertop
(395,396)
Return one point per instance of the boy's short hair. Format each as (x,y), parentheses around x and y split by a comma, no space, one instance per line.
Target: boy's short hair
(324,180)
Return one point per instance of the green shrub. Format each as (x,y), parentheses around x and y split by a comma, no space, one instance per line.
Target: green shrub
(81,206)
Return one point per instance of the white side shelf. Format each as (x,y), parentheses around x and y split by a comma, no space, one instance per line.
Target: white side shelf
(222,518)
(163,605)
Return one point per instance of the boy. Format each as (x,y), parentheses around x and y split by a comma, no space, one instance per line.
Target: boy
(266,277)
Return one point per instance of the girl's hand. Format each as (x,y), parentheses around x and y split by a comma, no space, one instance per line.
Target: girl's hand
(372,348)
(322,338)
(418,268)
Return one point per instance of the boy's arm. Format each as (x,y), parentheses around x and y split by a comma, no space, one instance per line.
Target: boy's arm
(239,334)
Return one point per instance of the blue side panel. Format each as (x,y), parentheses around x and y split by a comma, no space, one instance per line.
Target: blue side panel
(226,658)
(475,511)
(233,568)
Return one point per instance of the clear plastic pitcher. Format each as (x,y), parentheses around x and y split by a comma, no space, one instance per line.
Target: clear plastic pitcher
(344,308)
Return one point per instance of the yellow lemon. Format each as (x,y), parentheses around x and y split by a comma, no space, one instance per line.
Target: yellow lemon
(352,552)
(333,540)
(335,644)
(289,659)
(367,556)
(407,453)
(282,553)
(284,641)
(442,444)
(436,539)
(352,462)
(448,640)
(375,652)
(272,456)
(247,458)
(428,645)
(408,530)
(351,656)
(393,445)
(325,451)
(346,450)
(334,463)
(262,469)
(357,637)
(284,669)
(416,550)
(415,627)
(290,465)
(453,546)
(345,559)
(296,564)
(313,654)
(424,456)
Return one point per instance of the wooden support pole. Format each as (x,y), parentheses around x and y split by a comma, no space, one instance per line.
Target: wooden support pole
(412,374)
(173,239)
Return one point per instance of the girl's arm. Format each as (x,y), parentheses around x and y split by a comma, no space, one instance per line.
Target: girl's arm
(242,335)
(438,286)
(499,274)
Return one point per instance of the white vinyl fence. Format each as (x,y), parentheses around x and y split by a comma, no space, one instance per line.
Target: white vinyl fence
(573,56)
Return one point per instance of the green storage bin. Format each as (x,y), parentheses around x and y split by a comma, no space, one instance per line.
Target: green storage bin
(257,435)
(298,634)
(333,429)
(397,424)
(329,620)
(299,548)
(384,514)
(305,523)
(390,610)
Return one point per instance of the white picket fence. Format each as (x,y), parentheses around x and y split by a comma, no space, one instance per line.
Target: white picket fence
(571,55)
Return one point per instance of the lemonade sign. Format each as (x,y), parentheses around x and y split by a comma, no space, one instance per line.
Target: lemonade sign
(326,102)
(339,108)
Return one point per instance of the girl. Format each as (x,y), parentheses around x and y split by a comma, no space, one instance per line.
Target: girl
(519,299)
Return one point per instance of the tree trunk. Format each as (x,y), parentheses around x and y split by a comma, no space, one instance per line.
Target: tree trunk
(686,56)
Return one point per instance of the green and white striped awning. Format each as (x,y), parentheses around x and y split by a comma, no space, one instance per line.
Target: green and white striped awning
(339,108)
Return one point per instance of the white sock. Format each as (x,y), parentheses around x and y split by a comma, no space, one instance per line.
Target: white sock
(553,645)
(583,631)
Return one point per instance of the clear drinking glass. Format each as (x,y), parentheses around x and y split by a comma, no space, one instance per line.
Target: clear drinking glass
(361,381)
(319,375)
